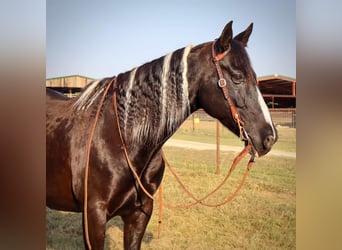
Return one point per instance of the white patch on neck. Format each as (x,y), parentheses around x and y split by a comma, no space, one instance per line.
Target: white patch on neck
(265,111)
(184,63)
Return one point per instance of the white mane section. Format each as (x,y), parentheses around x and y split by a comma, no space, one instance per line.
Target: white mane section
(173,102)
(171,114)
(178,113)
(163,86)
(84,100)
(142,130)
(128,96)
(185,104)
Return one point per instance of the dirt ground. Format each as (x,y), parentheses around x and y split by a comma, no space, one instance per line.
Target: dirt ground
(207,146)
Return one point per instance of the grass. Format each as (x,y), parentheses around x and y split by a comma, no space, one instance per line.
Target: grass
(262,216)
(205,132)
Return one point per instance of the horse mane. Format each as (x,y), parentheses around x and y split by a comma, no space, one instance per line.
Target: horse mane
(89,94)
(153,98)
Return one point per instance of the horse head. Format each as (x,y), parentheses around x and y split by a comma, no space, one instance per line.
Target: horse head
(242,88)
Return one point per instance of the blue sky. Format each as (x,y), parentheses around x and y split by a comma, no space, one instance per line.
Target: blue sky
(104,38)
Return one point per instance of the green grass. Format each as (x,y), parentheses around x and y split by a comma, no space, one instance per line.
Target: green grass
(262,216)
(63,230)
(205,132)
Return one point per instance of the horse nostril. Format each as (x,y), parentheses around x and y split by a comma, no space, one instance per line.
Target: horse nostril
(269,141)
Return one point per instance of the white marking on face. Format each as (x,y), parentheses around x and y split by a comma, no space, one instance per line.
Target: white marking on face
(265,111)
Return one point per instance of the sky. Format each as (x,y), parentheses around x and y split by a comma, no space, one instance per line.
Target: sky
(104,38)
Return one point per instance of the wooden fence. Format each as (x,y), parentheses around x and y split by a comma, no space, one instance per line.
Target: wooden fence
(282,117)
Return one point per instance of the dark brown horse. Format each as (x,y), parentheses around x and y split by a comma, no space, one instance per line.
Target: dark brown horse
(152,100)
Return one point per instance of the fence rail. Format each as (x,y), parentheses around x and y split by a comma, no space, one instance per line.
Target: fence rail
(282,117)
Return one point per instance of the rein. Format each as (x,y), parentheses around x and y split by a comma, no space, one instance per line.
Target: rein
(222,83)
(125,148)
(86,170)
(236,161)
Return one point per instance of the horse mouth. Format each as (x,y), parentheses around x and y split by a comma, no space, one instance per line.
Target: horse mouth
(256,151)
(253,152)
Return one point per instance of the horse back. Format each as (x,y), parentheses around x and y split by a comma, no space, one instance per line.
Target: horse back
(53,94)
(59,190)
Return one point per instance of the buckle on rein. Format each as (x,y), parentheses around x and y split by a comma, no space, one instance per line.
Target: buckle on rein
(222,83)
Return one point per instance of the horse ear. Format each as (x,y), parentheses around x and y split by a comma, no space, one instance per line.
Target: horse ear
(226,36)
(244,36)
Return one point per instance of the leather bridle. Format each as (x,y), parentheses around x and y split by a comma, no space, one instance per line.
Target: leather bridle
(222,83)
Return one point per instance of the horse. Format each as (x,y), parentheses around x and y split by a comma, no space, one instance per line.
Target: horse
(151,102)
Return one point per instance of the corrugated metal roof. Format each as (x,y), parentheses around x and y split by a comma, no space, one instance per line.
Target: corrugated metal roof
(277,85)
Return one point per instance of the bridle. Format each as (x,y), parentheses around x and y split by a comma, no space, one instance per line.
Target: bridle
(222,83)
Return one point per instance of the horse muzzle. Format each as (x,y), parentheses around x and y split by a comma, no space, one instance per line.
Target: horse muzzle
(261,147)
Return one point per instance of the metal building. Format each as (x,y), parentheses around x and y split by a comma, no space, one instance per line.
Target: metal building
(279,93)
(69,85)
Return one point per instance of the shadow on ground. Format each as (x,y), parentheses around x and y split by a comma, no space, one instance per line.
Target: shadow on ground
(64,231)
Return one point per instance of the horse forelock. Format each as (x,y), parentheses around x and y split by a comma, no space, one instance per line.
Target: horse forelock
(154,98)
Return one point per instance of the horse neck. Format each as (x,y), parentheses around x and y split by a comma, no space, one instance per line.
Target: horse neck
(155,98)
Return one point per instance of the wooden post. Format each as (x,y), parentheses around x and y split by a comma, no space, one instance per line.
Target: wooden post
(160,216)
(273,101)
(294,88)
(217,147)
(193,122)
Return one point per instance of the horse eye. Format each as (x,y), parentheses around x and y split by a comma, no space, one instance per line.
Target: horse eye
(238,78)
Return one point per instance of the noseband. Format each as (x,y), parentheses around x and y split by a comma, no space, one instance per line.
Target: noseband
(222,83)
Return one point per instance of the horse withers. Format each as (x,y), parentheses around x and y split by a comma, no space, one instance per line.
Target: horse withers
(152,101)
